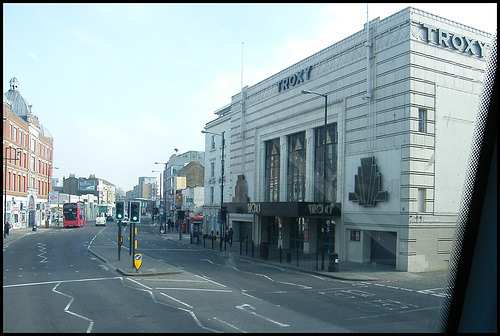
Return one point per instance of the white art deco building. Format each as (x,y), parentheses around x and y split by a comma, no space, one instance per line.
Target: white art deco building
(401,102)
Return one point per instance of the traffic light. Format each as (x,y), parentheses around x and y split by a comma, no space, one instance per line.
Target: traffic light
(223,214)
(120,209)
(135,211)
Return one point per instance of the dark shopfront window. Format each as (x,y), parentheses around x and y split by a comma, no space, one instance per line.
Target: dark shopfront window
(297,233)
(326,239)
(274,231)
(273,170)
(296,167)
(331,163)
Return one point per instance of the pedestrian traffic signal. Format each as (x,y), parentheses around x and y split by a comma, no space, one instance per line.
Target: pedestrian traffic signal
(135,211)
(120,210)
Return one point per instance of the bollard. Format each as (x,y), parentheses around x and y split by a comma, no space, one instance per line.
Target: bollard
(333,262)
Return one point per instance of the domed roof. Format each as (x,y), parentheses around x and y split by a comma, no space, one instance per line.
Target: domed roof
(20,106)
(45,132)
(6,102)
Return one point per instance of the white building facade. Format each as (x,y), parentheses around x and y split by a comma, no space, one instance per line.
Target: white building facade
(401,102)
(213,183)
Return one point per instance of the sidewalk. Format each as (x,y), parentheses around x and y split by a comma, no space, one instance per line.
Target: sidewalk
(107,251)
(347,270)
(15,234)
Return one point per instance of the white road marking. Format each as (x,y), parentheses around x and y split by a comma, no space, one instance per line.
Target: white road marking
(230,325)
(41,248)
(215,283)
(174,299)
(245,306)
(195,289)
(57,282)
(253,297)
(66,309)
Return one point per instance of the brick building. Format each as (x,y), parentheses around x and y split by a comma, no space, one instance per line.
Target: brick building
(28,167)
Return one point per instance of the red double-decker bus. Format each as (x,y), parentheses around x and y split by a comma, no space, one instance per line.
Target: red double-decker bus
(73,214)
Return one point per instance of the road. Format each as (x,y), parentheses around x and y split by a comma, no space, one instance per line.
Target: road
(52,283)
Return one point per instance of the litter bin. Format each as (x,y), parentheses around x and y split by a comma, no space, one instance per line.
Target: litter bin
(264,252)
(333,262)
(289,257)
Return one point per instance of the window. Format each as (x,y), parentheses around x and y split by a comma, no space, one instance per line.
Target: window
(421,199)
(422,120)
(212,169)
(330,178)
(355,235)
(274,230)
(272,173)
(296,167)
(212,143)
(297,233)
(212,195)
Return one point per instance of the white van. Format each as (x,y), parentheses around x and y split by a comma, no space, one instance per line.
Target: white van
(100,219)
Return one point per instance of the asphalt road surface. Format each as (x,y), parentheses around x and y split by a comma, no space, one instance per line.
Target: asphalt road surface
(52,283)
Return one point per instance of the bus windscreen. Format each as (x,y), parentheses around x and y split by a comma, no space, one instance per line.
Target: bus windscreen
(70,211)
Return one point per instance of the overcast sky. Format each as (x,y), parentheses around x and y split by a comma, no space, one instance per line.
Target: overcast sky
(120,86)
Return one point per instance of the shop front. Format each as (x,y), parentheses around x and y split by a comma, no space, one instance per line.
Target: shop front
(305,226)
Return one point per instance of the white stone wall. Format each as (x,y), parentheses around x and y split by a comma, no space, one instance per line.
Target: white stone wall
(419,170)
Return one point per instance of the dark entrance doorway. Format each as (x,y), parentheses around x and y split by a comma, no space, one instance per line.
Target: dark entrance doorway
(383,247)
(245,231)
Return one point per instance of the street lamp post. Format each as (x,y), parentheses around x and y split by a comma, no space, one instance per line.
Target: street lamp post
(157,171)
(324,163)
(164,187)
(221,185)
(47,212)
(17,151)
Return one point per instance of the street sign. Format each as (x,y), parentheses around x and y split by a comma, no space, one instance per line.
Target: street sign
(137,260)
(53,197)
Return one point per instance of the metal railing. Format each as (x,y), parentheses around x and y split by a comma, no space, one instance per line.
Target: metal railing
(317,260)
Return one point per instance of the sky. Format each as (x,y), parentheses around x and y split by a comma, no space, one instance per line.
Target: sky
(120,86)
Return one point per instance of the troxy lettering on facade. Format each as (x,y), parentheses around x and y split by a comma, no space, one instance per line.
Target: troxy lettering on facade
(447,39)
(294,79)
(253,208)
(319,209)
